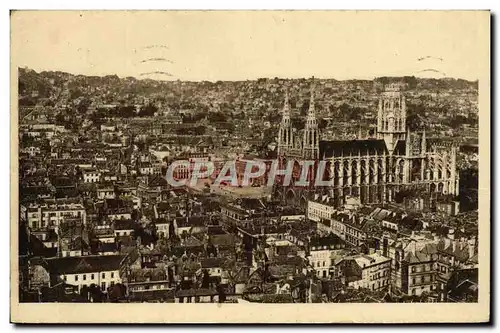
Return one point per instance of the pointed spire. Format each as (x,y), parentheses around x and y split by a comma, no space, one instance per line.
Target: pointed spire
(423,143)
(311,102)
(286,106)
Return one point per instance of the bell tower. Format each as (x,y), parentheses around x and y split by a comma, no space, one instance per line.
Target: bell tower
(310,146)
(391,119)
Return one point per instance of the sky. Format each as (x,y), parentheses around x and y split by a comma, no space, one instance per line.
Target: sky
(211,45)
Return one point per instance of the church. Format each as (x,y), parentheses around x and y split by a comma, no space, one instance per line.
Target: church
(374,169)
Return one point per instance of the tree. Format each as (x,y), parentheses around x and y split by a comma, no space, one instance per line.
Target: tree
(85,293)
(117,292)
(96,294)
(205,282)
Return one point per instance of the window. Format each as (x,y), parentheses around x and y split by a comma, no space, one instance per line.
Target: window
(413,269)
(112,283)
(413,281)
(76,277)
(65,278)
(91,276)
(112,274)
(84,277)
(103,275)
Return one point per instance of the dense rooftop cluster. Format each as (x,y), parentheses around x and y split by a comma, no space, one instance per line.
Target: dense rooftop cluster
(98,221)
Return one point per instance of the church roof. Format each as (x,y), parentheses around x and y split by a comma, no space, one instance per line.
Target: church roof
(336,148)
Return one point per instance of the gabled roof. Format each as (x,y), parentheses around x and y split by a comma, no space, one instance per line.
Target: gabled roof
(86,264)
(76,245)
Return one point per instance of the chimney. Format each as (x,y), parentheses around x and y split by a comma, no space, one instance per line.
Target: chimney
(454,244)
(451,233)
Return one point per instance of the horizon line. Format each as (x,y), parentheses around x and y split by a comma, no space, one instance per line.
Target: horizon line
(172,79)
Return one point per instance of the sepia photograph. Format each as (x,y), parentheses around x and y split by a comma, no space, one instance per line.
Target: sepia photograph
(255,166)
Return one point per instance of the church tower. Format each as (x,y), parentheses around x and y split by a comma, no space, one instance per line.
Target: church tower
(285,139)
(310,146)
(391,120)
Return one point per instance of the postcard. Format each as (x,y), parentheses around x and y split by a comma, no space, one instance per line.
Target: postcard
(255,166)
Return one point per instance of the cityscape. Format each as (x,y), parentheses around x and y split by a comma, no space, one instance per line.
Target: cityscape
(157,189)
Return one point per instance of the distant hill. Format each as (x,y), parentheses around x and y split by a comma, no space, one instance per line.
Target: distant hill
(29,81)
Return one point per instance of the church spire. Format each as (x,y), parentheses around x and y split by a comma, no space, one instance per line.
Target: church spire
(286,107)
(285,136)
(312,112)
(310,143)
